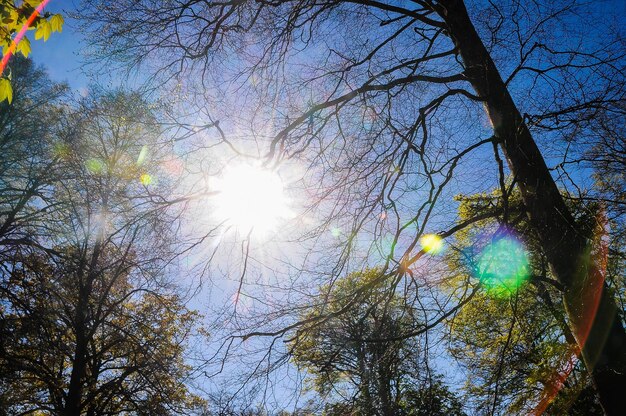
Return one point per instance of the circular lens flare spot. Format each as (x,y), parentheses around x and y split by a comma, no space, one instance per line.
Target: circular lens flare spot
(146,179)
(503,266)
(251,199)
(335,232)
(432,243)
(94,165)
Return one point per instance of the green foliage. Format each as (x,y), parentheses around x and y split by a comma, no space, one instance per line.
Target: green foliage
(85,310)
(437,399)
(13,16)
(356,350)
(608,158)
(56,23)
(370,315)
(24,47)
(43,31)
(27,166)
(6,91)
(135,341)
(514,347)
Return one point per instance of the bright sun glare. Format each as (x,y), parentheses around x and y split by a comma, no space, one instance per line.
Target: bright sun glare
(251,199)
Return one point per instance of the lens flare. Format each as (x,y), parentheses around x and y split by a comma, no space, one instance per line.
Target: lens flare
(385,245)
(251,199)
(146,179)
(503,266)
(431,243)
(142,155)
(61,150)
(21,33)
(597,257)
(95,165)
(173,166)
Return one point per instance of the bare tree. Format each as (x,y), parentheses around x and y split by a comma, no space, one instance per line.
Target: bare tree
(388,106)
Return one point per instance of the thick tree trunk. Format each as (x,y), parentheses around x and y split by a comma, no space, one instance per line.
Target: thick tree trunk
(602,340)
(73,402)
(384,370)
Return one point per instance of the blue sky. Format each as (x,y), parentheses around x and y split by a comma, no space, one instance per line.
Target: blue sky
(61,53)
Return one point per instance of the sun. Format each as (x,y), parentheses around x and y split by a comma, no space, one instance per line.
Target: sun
(251,199)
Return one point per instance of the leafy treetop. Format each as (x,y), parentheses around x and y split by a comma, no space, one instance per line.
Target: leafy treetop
(16,17)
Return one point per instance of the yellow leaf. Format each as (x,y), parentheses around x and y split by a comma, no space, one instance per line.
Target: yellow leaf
(6,91)
(44,29)
(56,22)
(24,46)
(10,48)
(14,16)
(32,3)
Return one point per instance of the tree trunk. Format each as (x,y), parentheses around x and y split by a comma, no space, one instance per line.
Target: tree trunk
(79,364)
(602,340)
(86,277)
(384,370)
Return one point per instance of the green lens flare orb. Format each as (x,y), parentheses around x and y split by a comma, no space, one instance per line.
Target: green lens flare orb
(94,165)
(503,266)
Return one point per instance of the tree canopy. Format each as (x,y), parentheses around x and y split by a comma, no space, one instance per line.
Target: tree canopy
(373,207)
(355,356)
(90,322)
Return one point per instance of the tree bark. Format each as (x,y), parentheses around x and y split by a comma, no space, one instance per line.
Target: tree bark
(73,402)
(86,277)
(591,309)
